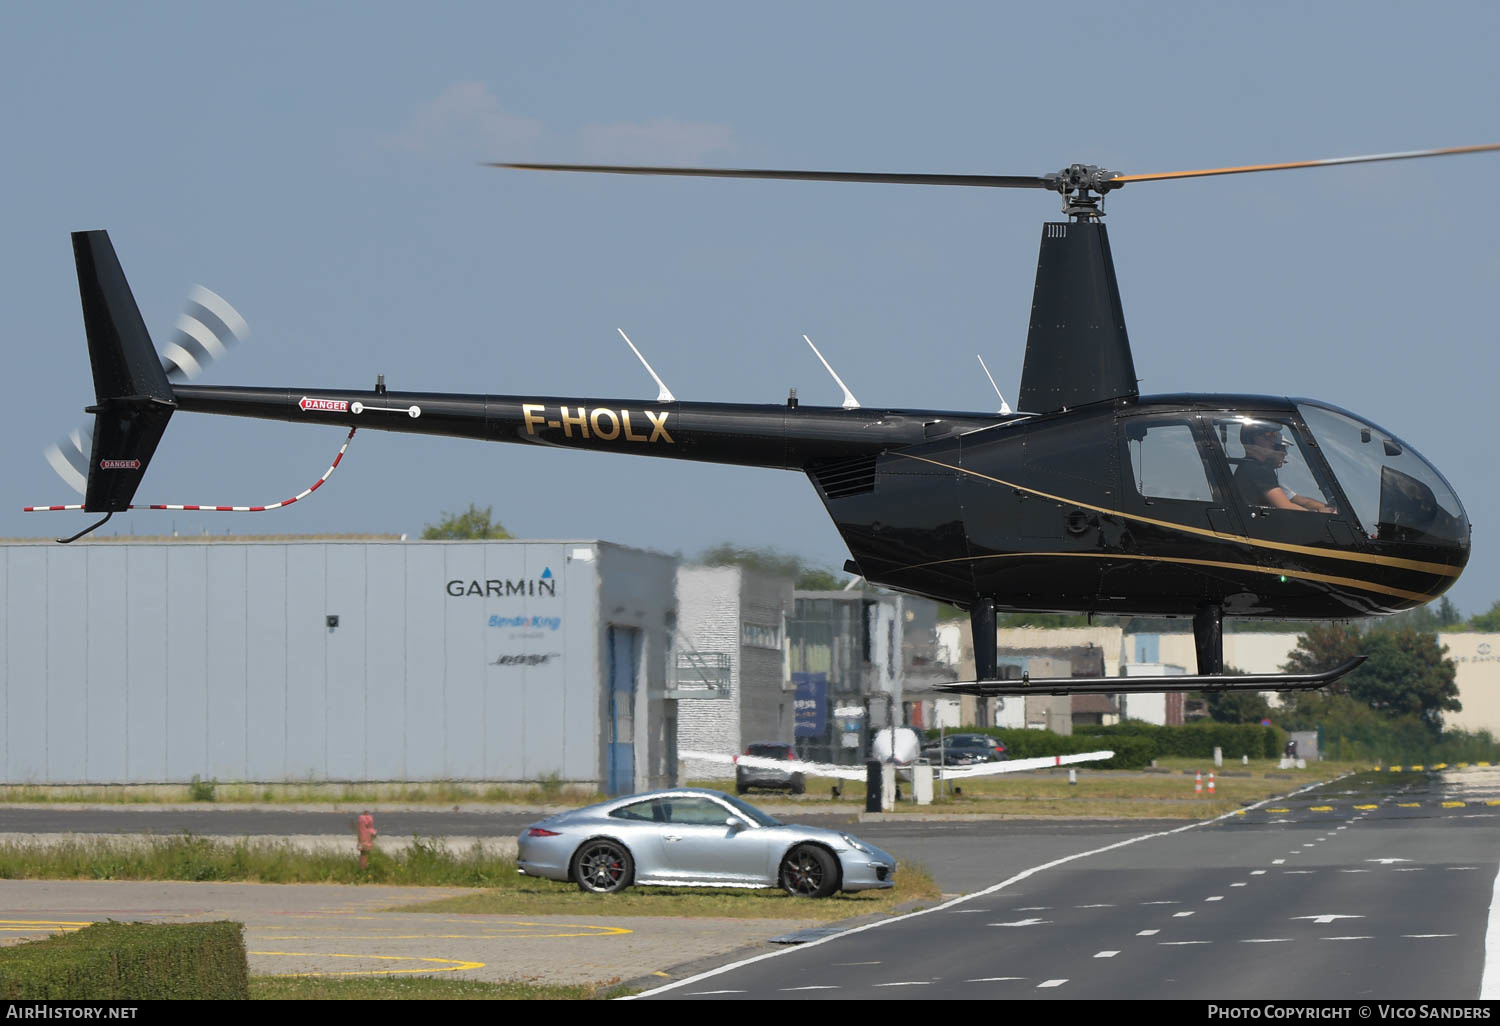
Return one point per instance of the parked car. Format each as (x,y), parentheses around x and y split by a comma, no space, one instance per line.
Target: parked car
(746,777)
(965,750)
(695,837)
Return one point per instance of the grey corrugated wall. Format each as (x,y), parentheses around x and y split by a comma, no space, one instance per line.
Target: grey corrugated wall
(149,663)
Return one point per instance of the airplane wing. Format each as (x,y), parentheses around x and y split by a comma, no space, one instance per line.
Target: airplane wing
(812,769)
(990,769)
(824,769)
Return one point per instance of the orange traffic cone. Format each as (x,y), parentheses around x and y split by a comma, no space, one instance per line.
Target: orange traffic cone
(1198,784)
(1210,784)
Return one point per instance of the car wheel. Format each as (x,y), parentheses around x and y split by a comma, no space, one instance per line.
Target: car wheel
(798,784)
(809,872)
(603,867)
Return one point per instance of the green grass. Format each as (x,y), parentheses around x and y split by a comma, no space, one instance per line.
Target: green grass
(549,791)
(500,888)
(414,988)
(1098,794)
(532,896)
(184,857)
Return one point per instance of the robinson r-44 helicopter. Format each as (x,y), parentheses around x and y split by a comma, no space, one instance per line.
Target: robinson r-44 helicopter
(1090,498)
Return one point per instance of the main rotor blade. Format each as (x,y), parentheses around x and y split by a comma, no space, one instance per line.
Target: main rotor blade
(991,181)
(1367,159)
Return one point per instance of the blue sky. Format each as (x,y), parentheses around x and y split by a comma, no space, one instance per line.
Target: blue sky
(317,165)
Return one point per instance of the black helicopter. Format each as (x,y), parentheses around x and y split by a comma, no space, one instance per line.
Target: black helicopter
(1091,498)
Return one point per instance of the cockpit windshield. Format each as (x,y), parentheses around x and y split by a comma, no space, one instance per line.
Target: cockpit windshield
(1396,494)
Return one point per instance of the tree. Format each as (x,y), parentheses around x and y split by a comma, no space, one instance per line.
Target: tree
(471,525)
(770,561)
(1407,673)
(1487,621)
(1430,617)
(1236,706)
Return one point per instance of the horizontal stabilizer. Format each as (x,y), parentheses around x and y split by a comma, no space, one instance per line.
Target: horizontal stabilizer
(1149,685)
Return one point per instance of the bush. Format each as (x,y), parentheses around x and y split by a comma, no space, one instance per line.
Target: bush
(1025,743)
(1136,743)
(130,962)
(1198,740)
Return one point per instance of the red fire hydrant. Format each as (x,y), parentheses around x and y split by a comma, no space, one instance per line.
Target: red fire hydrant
(366,830)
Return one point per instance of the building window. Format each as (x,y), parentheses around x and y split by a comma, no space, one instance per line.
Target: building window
(759,635)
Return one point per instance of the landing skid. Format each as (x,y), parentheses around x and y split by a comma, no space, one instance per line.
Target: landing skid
(1136,685)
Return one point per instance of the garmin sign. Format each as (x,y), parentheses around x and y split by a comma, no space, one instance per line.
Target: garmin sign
(544,586)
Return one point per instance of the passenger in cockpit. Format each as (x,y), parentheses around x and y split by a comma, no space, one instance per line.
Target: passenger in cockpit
(1255,477)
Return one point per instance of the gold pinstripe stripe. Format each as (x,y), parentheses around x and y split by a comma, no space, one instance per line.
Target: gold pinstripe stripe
(1440,569)
(1303,575)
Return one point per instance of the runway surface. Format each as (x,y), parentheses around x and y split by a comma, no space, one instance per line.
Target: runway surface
(1338,893)
(1357,889)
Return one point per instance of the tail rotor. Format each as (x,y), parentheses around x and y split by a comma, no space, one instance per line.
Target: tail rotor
(205,331)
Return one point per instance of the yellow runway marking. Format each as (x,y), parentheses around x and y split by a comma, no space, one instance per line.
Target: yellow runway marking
(487,931)
(1366,808)
(1408,805)
(32,925)
(1453,805)
(1320,808)
(448,965)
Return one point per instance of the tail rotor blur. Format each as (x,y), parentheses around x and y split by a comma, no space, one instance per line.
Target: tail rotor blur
(205,330)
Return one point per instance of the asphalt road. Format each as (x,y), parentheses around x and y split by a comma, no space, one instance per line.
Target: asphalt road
(1358,889)
(1344,893)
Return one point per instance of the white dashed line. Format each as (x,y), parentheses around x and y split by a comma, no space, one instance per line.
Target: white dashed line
(1424,936)
(1050,983)
(995,979)
(1262,872)
(1216,897)
(1180,944)
(706,993)
(1161,903)
(1008,882)
(1274,862)
(1265,940)
(1148,933)
(816,986)
(1240,884)
(1180,915)
(1105,954)
(1346,938)
(906,983)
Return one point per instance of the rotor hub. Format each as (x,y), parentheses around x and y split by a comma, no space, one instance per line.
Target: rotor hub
(1081,187)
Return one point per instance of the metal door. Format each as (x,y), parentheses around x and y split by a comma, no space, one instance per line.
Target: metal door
(624,661)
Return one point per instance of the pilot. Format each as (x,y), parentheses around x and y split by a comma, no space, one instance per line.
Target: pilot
(1255,478)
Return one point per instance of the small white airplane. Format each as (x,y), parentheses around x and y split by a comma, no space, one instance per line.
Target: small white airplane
(903,750)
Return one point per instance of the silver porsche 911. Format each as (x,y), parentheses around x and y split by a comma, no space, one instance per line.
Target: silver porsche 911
(699,838)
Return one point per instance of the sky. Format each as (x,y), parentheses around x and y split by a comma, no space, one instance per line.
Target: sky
(318,165)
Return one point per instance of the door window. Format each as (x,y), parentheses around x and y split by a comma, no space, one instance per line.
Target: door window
(1266,454)
(1165,461)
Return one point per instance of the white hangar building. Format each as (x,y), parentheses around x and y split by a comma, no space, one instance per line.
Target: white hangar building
(273,661)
